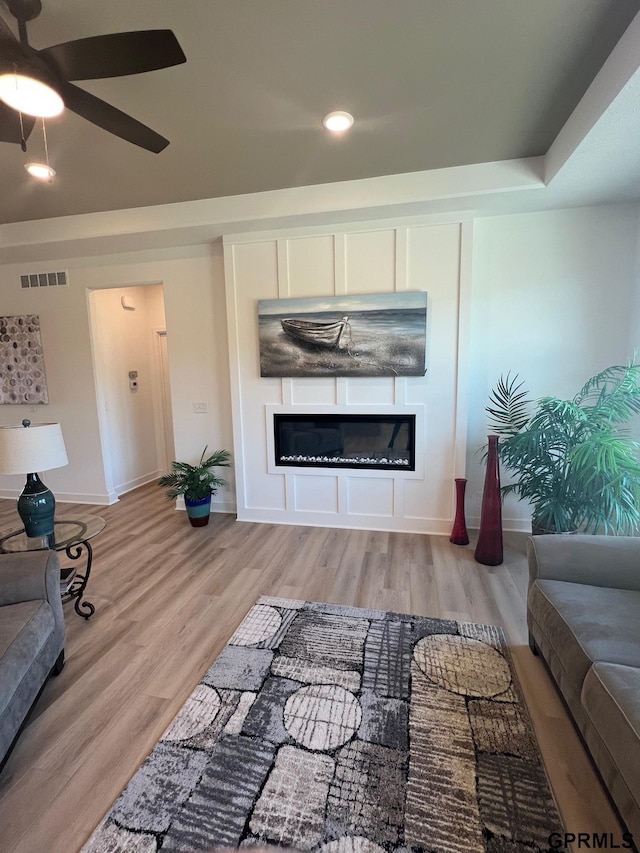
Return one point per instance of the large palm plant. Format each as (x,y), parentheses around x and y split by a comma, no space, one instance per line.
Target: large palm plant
(572,459)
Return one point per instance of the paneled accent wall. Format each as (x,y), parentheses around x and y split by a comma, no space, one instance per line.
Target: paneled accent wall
(358,260)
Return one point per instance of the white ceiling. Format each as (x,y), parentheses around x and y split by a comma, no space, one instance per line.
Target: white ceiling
(434,85)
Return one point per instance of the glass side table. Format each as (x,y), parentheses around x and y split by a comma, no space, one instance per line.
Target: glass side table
(72,536)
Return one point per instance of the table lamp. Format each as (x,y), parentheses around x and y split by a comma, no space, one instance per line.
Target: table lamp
(27,449)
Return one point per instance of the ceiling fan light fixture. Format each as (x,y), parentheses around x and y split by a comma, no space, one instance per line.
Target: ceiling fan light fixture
(42,171)
(30,96)
(338,121)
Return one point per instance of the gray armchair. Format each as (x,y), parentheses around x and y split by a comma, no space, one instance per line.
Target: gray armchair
(32,636)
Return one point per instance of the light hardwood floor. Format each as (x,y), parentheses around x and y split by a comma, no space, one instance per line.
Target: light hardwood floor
(167,599)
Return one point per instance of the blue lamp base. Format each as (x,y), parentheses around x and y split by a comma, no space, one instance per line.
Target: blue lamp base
(36,508)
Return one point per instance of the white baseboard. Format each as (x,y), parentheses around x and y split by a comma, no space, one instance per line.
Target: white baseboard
(216,506)
(513,525)
(391,524)
(123,488)
(224,506)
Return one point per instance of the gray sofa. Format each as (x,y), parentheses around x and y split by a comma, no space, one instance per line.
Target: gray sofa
(583,613)
(31,636)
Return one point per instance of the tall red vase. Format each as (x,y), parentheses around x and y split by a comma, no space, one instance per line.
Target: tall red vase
(489,548)
(459,535)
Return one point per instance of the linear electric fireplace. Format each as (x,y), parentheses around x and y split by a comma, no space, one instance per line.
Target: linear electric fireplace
(379,441)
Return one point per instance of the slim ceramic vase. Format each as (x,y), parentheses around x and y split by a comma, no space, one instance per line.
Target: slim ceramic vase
(459,535)
(489,548)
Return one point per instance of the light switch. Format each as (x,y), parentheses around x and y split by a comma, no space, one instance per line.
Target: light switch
(200,408)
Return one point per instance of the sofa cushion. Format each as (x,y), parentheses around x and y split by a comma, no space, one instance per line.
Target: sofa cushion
(611,701)
(24,629)
(582,624)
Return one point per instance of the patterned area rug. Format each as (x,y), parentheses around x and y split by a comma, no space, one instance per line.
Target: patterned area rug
(321,727)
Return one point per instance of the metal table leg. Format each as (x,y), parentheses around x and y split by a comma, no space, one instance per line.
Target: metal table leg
(80,581)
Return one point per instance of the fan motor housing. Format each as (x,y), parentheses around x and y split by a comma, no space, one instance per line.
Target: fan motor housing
(25,10)
(25,60)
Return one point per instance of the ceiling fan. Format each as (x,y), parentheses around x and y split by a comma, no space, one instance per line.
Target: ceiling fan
(97,57)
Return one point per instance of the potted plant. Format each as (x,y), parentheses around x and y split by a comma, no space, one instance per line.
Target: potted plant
(197,483)
(573,459)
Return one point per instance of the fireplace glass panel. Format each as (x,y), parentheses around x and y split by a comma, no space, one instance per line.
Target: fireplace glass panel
(345,441)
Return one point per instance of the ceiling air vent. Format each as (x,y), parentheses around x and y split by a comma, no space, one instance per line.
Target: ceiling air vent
(44,279)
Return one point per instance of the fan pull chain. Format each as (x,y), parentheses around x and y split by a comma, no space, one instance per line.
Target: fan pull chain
(46,152)
(46,147)
(23,141)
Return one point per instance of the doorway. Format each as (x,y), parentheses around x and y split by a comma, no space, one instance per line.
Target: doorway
(131,371)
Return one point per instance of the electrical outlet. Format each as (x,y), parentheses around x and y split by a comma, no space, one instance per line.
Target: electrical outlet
(200,408)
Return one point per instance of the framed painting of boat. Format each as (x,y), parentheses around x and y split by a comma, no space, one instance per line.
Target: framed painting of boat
(372,335)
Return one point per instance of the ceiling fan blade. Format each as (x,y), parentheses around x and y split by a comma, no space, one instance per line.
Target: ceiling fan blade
(109,118)
(10,130)
(115,54)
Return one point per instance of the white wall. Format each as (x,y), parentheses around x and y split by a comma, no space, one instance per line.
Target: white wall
(197,343)
(554,297)
(553,294)
(359,260)
(66,347)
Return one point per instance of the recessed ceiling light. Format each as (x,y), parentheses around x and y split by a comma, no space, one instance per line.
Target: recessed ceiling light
(40,170)
(338,121)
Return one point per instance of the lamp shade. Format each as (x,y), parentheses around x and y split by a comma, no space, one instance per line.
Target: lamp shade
(28,449)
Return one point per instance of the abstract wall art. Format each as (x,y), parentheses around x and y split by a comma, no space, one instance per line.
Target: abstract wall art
(372,335)
(22,377)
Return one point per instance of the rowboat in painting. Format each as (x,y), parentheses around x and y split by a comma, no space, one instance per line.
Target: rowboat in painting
(322,334)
